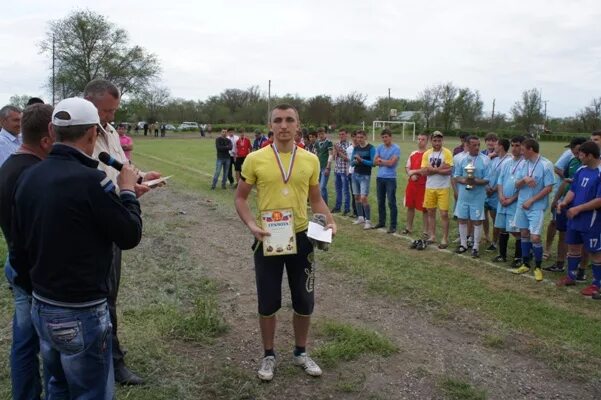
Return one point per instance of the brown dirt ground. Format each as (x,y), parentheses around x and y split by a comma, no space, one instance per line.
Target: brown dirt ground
(430,349)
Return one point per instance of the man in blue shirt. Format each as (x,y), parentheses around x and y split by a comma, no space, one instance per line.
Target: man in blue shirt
(508,196)
(581,205)
(534,180)
(362,161)
(471,194)
(10,140)
(387,159)
(492,198)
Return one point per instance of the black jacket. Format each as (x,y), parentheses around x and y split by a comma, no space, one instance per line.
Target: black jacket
(66,218)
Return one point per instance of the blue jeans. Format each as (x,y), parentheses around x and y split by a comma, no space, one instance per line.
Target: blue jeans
(221,163)
(25,346)
(342,190)
(323,184)
(386,188)
(76,349)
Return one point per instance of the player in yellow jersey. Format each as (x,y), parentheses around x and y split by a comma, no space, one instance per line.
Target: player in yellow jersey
(284,176)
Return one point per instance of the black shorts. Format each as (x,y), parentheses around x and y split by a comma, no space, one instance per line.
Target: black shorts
(238,163)
(301,277)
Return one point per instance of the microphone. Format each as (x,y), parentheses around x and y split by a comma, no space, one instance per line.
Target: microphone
(109,160)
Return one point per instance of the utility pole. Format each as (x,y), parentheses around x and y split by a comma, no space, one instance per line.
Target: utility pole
(492,118)
(389,104)
(53,84)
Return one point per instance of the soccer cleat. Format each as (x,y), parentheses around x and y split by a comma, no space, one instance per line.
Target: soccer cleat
(265,372)
(596,296)
(499,259)
(304,361)
(589,290)
(475,253)
(492,247)
(524,268)
(415,244)
(367,224)
(516,263)
(460,250)
(422,245)
(554,268)
(378,226)
(538,274)
(358,221)
(580,275)
(565,281)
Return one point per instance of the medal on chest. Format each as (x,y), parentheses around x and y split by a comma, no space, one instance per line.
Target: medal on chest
(285,173)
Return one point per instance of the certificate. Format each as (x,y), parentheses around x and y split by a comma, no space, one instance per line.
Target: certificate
(280,224)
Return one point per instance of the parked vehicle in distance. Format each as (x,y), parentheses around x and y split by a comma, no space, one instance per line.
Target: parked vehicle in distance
(188,126)
(170,127)
(141,124)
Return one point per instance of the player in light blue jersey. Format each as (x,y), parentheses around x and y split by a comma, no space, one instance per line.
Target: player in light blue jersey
(471,194)
(508,196)
(492,198)
(582,206)
(534,180)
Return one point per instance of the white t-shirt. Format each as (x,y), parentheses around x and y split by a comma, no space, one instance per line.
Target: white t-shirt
(233,139)
(349,153)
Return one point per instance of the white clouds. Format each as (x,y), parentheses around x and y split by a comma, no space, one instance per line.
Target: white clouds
(334,47)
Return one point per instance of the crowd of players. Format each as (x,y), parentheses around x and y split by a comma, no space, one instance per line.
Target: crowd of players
(503,190)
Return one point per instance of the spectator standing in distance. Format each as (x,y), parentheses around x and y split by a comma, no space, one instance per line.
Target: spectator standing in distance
(67,236)
(223,145)
(387,159)
(10,139)
(472,194)
(259,140)
(298,139)
(269,140)
(25,345)
(285,177)
(231,134)
(437,164)
(341,165)
(311,146)
(581,205)
(508,196)
(534,180)
(106,98)
(325,155)
(362,160)
(416,185)
(145,128)
(157,127)
(351,169)
(461,146)
(243,148)
(127,144)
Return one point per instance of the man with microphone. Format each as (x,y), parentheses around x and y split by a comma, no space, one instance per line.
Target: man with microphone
(106,98)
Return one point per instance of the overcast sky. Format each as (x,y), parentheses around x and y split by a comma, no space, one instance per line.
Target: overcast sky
(334,47)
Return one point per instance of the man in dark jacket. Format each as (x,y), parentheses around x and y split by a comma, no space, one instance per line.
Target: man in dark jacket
(223,145)
(64,238)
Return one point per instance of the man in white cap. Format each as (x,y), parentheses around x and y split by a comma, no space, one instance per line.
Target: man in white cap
(66,237)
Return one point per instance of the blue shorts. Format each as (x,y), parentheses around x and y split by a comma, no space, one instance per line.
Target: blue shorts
(492,203)
(590,240)
(561,220)
(533,220)
(505,222)
(361,184)
(466,211)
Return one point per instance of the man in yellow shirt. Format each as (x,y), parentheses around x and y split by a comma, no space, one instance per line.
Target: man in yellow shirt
(285,176)
(437,164)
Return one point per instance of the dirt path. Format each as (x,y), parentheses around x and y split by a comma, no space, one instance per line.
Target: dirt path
(429,349)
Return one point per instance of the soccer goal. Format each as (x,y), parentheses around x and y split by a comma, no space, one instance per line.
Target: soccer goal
(383,124)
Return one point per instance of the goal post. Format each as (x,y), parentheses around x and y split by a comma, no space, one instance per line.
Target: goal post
(382,124)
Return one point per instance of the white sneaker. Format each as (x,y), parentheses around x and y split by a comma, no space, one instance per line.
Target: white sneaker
(367,224)
(310,367)
(359,220)
(265,372)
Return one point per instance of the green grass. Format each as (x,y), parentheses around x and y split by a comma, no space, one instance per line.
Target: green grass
(458,390)
(345,343)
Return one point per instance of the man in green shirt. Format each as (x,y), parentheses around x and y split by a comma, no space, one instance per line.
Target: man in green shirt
(324,148)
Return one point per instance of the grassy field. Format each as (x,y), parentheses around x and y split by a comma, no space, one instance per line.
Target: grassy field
(171,308)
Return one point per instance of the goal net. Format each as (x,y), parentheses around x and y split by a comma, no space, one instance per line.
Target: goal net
(379,125)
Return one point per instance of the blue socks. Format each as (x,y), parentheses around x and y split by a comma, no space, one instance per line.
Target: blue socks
(366,211)
(359,209)
(538,254)
(573,262)
(597,274)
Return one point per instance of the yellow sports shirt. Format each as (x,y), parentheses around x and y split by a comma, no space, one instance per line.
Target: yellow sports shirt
(262,170)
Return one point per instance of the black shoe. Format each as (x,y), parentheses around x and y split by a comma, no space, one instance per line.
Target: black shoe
(475,253)
(391,230)
(415,244)
(580,275)
(344,214)
(125,376)
(554,268)
(492,247)
(378,226)
(460,250)
(212,187)
(517,262)
(499,259)
(335,210)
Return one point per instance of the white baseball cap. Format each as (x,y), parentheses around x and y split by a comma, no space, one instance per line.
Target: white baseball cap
(75,111)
